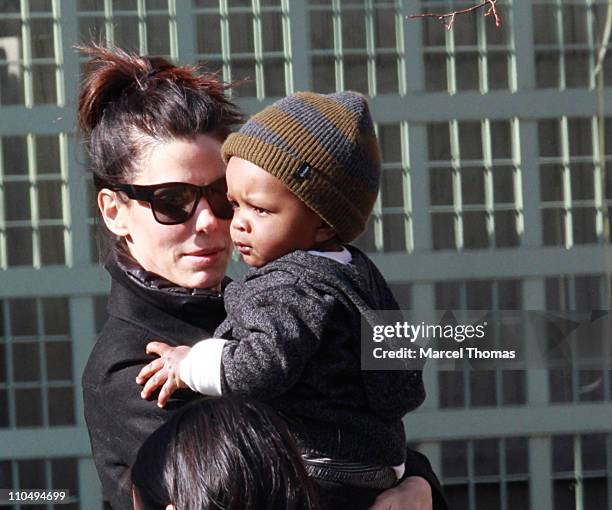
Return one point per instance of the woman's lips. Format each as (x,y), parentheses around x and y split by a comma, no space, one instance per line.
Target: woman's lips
(205,257)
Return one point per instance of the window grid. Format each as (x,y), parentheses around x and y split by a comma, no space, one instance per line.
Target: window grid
(484,209)
(364,40)
(565,53)
(468,388)
(34,205)
(481,474)
(113,22)
(39,473)
(585,373)
(41,325)
(474,55)
(390,224)
(262,60)
(582,471)
(576,191)
(32,56)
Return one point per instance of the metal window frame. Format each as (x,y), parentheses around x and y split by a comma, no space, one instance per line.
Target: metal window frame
(471,480)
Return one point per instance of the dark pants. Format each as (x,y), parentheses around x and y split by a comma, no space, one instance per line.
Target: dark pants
(337,496)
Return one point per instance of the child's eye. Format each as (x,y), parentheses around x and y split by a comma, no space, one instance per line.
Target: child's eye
(261,211)
(233,203)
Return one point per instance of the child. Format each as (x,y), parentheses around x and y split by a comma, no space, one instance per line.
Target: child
(223,438)
(302,176)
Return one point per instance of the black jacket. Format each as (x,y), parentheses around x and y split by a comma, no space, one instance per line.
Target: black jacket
(143,307)
(294,339)
(140,310)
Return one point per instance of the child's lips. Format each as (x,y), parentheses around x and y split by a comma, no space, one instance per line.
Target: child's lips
(242,248)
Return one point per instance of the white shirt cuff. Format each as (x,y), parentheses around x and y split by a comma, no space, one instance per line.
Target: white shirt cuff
(399,470)
(201,368)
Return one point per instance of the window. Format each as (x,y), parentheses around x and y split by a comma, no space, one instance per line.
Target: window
(36,377)
(357,45)
(474,55)
(139,26)
(469,387)
(574,198)
(30,54)
(580,466)
(51,474)
(390,226)
(403,294)
(34,229)
(481,473)
(474,185)
(259,57)
(566,36)
(580,370)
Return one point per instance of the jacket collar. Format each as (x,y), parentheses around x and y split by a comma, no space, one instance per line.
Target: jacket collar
(150,301)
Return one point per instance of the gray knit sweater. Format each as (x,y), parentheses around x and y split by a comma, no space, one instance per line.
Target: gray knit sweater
(294,331)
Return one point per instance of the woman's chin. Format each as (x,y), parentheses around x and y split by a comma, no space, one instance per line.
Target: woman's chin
(201,281)
(203,272)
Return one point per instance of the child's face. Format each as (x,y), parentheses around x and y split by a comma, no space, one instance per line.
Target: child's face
(269,221)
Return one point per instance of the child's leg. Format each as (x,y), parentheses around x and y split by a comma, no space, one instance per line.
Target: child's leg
(338,496)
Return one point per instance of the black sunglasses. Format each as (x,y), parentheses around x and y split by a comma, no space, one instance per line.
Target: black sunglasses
(175,202)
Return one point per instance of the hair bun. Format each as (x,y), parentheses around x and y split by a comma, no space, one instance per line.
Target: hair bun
(127,100)
(110,73)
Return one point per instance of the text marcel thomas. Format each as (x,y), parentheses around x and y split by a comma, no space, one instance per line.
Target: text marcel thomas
(429,332)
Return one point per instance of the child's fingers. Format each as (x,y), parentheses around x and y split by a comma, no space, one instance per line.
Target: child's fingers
(153,383)
(148,370)
(159,348)
(167,390)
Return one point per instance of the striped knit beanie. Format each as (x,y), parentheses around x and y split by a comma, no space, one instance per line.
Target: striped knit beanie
(323,148)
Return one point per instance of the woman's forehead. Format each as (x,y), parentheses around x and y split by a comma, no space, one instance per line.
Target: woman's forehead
(197,161)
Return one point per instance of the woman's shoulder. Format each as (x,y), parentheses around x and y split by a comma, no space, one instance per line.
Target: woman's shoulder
(119,345)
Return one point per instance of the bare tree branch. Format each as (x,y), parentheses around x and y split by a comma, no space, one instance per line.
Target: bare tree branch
(491,11)
(605,40)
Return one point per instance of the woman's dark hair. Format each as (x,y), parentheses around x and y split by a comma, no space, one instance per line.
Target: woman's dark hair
(127,102)
(222,454)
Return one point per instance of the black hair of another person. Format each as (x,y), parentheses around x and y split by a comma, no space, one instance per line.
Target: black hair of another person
(222,454)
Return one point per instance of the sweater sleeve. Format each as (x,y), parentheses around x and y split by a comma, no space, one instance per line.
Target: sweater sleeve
(274,335)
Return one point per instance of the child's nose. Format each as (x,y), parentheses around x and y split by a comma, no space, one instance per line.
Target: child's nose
(239,222)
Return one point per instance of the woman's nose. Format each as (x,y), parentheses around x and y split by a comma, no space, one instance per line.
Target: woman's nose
(206,221)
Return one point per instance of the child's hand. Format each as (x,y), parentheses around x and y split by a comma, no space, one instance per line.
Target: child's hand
(414,493)
(164,370)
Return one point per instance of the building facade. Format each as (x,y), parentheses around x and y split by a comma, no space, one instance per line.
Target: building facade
(495,195)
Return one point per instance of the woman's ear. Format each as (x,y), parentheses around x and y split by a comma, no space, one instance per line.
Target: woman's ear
(114,212)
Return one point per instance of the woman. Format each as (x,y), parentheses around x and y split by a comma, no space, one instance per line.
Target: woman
(153,132)
(222,453)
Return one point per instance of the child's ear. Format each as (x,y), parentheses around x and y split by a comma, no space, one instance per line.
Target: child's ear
(114,212)
(324,233)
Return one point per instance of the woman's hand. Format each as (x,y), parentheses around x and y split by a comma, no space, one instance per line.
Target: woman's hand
(414,493)
(163,371)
